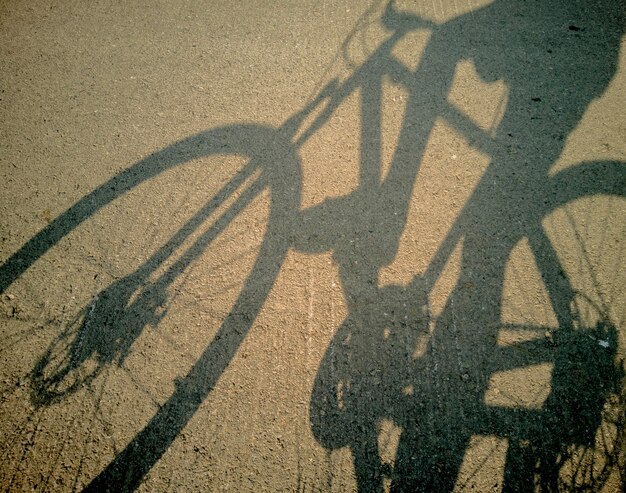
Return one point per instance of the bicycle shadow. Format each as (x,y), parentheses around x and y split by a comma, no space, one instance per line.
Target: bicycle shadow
(445,406)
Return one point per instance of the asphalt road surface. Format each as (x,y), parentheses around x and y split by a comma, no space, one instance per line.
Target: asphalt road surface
(313,246)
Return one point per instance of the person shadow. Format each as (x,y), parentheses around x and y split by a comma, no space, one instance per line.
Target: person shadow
(555,58)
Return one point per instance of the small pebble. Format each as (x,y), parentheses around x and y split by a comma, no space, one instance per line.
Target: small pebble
(549,338)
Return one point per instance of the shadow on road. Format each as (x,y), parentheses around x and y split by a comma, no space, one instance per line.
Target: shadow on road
(555,59)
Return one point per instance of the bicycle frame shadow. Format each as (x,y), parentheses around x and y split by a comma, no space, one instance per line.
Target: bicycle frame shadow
(510,199)
(553,70)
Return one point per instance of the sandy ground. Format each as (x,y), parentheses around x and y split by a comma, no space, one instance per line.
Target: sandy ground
(312,246)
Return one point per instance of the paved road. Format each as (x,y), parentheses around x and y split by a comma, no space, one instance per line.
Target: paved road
(312,246)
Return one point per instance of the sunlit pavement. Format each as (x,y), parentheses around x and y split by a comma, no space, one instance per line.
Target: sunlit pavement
(313,246)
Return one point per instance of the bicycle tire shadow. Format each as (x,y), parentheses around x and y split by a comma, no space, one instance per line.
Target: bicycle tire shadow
(106,329)
(103,333)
